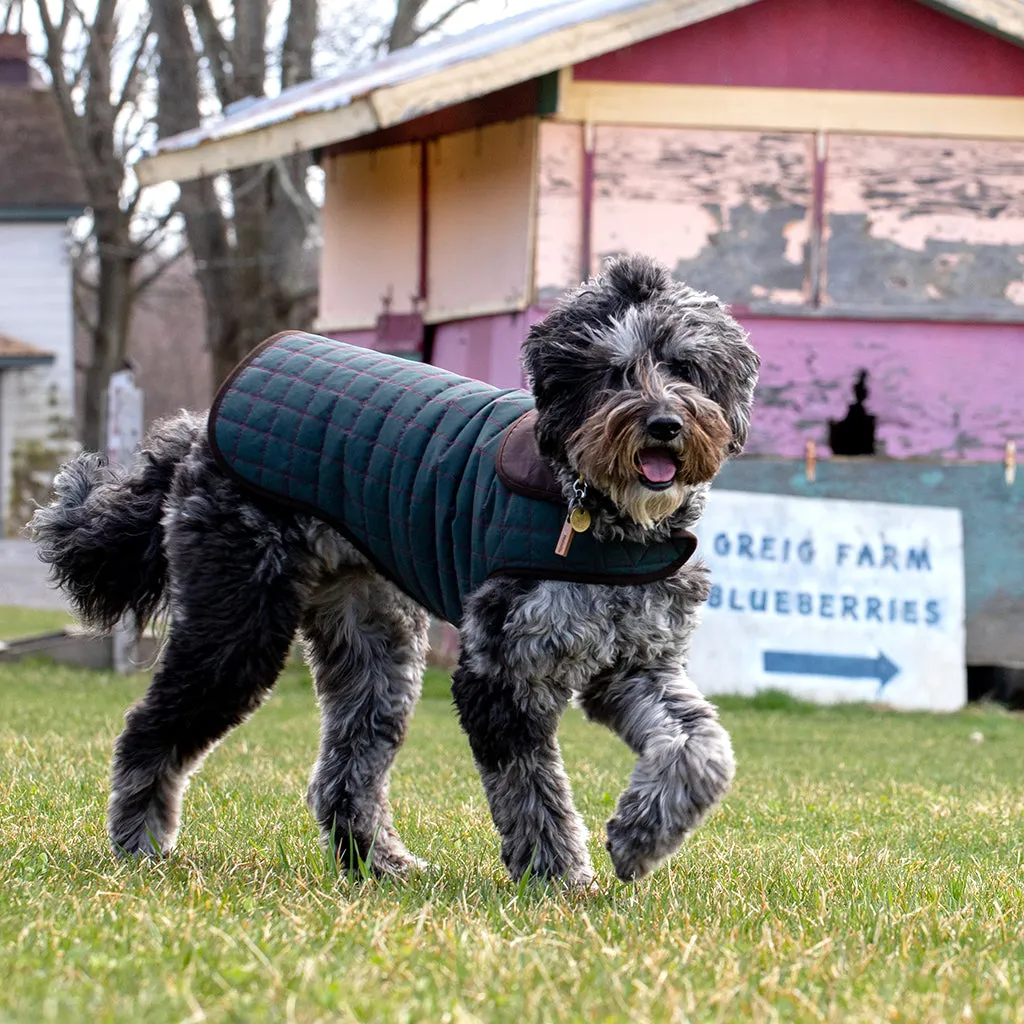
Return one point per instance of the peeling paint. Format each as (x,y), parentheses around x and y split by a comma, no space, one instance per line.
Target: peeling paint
(938,390)
(797,234)
(728,210)
(558,253)
(920,222)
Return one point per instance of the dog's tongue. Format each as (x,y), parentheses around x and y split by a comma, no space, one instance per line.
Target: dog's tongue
(657,466)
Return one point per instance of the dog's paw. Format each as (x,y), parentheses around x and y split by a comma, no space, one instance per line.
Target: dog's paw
(139,842)
(677,781)
(140,827)
(394,865)
(633,848)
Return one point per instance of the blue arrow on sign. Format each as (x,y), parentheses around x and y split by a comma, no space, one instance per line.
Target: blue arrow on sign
(842,666)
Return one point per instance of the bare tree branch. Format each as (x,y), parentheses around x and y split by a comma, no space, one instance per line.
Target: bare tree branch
(304,206)
(133,79)
(158,226)
(216,49)
(403,28)
(9,24)
(442,20)
(61,90)
(144,282)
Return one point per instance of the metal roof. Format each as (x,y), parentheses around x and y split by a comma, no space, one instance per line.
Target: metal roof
(420,79)
(412,62)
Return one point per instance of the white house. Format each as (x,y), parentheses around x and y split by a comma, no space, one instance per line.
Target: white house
(40,190)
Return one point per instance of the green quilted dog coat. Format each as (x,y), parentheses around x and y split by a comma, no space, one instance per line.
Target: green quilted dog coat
(404,459)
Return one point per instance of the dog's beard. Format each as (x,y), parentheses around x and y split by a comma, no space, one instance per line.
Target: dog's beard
(614,451)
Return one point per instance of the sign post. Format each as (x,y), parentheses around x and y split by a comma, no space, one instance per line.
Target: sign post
(124,435)
(832,601)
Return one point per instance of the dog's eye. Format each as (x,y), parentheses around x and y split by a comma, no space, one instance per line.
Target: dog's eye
(615,378)
(684,370)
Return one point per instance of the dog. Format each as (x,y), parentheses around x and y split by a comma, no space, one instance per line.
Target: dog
(642,387)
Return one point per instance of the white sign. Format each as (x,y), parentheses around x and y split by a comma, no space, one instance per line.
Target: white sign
(832,601)
(124,418)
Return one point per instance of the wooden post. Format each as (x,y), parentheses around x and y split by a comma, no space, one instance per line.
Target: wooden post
(124,425)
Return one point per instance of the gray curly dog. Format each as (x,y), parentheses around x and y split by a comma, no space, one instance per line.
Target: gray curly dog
(640,388)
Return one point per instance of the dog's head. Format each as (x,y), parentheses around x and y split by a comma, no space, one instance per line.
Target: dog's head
(643,387)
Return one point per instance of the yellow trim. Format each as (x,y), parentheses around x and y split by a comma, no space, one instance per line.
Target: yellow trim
(796,110)
(212,156)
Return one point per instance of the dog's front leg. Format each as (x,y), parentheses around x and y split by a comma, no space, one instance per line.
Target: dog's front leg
(684,761)
(511,725)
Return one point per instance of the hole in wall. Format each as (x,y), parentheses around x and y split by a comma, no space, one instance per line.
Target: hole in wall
(855,433)
(1003,684)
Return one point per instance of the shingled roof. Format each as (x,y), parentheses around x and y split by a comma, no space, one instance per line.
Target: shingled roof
(16,354)
(38,174)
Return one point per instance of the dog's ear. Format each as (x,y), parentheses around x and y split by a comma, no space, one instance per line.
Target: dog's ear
(739,399)
(556,349)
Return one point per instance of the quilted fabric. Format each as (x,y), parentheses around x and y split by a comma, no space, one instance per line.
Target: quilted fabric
(400,458)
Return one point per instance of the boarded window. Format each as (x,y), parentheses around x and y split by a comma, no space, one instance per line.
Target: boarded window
(480,222)
(924,227)
(729,211)
(558,263)
(371,227)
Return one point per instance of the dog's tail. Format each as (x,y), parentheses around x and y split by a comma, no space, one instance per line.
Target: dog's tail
(102,536)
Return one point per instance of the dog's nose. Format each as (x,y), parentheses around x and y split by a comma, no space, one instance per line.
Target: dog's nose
(664,428)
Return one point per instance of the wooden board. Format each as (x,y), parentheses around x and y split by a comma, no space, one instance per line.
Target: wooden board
(371,230)
(558,262)
(879,45)
(480,220)
(793,110)
(924,224)
(729,212)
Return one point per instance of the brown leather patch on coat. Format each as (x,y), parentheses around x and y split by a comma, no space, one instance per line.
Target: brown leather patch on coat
(520,466)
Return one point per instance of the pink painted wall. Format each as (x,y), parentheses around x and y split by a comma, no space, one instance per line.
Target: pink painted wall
(886,45)
(486,348)
(939,390)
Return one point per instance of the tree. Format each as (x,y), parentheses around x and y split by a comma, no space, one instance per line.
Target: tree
(250,229)
(99,70)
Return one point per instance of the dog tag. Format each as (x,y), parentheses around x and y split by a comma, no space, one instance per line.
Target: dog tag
(564,539)
(579,520)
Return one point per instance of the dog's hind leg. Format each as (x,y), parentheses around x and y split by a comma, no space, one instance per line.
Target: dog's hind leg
(237,594)
(367,646)
(684,761)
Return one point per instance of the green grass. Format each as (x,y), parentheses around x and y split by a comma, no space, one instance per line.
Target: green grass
(21,622)
(867,866)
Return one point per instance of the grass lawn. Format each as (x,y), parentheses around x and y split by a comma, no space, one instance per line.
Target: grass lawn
(868,866)
(21,622)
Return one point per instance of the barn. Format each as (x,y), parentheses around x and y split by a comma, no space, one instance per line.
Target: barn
(849,177)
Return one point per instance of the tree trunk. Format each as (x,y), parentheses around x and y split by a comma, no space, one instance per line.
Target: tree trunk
(250,255)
